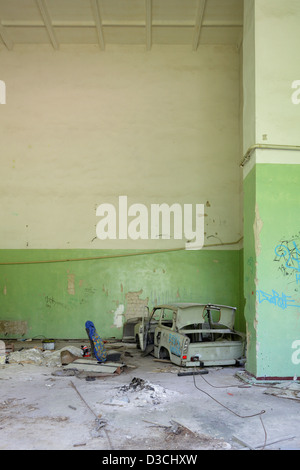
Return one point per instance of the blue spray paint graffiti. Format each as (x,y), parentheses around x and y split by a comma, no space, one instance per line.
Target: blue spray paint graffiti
(275,299)
(174,345)
(291,259)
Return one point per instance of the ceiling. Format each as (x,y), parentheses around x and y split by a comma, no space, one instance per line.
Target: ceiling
(106,22)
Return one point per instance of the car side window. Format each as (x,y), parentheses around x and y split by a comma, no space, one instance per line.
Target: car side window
(166,317)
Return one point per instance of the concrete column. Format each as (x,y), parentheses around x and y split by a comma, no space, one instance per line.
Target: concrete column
(271,170)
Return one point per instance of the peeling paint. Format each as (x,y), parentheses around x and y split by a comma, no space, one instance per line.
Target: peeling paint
(135,305)
(18,328)
(255,321)
(248,336)
(118,316)
(257,227)
(71,284)
(105,290)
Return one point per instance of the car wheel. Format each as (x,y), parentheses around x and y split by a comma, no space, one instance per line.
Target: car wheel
(164,353)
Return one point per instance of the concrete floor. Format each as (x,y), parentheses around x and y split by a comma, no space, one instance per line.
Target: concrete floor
(41,410)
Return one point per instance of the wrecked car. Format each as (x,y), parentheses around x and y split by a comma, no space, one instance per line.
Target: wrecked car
(190,334)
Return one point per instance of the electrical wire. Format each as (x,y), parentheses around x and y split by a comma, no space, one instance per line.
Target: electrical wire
(224,386)
(123,255)
(259,414)
(224,406)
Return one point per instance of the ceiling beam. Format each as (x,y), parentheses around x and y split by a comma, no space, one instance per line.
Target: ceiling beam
(148,24)
(7,41)
(98,22)
(131,24)
(47,22)
(198,23)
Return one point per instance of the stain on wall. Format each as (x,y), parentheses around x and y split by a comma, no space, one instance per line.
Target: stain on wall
(71,284)
(13,328)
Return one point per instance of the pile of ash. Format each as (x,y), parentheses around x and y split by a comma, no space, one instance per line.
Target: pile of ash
(137,385)
(140,392)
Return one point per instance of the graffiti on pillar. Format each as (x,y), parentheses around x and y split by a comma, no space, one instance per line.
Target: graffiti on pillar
(288,255)
(282,301)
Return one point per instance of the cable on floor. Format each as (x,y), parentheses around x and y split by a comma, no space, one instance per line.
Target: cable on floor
(225,386)
(231,411)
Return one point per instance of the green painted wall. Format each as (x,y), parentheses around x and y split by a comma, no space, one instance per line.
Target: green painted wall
(273,247)
(278,269)
(57,298)
(249,267)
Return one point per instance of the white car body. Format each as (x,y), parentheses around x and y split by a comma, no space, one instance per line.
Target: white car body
(192,334)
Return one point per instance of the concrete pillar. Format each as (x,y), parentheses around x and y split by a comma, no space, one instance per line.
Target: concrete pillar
(271,171)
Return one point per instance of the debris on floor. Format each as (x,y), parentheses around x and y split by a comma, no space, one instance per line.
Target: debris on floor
(95,367)
(139,393)
(178,436)
(69,357)
(282,389)
(2,352)
(177,430)
(289,390)
(100,422)
(146,407)
(37,356)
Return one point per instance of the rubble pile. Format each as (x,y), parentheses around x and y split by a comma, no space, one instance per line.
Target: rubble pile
(36,356)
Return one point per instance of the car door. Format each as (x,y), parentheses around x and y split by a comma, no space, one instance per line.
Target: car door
(163,348)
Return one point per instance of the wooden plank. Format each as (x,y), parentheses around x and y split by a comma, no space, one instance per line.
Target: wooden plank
(91,367)
(95,362)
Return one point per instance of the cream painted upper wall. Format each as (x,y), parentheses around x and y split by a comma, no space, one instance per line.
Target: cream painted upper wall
(81,127)
(277,66)
(249,67)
